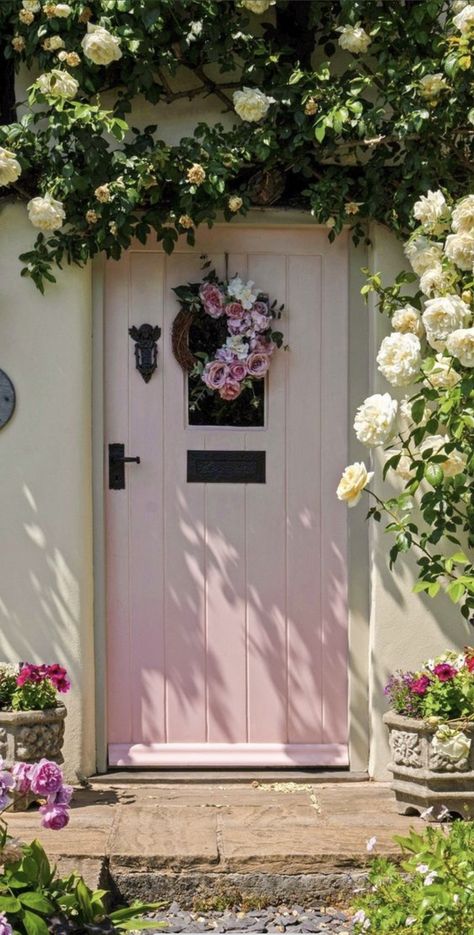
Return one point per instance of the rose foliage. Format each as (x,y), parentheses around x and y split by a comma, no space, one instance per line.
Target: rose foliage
(425,430)
(358,107)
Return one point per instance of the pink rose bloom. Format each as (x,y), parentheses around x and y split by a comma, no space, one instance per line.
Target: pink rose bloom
(212,299)
(55,817)
(7,785)
(420,685)
(261,308)
(262,345)
(230,390)
(238,371)
(215,374)
(46,777)
(239,325)
(258,364)
(234,310)
(21,773)
(61,797)
(445,672)
(261,322)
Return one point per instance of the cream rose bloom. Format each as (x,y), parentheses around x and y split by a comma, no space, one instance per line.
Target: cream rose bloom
(463,214)
(430,208)
(442,316)
(464,20)
(46,213)
(460,249)
(62,10)
(32,6)
(353,38)
(235,203)
(257,6)
(455,461)
(451,744)
(58,83)
(376,419)
(100,46)
(53,43)
(404,467)
(460,344)
(443,376)
(251,104)
(422,253)
(407,320)
(399,358)
(10,168)
(432,85)
(353,481)
(437,281)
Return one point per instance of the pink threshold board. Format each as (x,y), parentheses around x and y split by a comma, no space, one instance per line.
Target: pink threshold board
(228,754)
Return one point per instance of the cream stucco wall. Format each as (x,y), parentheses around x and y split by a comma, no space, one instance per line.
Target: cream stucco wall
(405,628)
(45,487)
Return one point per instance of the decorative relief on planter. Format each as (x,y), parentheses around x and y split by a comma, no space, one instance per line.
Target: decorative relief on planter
(28,736)
(446,764)
(3,743)
(41,740)
(406,748)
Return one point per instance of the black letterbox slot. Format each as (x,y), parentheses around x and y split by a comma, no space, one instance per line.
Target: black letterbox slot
(226,467)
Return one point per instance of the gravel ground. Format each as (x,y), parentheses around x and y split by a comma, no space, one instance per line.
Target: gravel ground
(290,919)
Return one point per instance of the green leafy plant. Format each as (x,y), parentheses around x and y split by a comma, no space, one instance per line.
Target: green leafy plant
(431,892)
(32,687)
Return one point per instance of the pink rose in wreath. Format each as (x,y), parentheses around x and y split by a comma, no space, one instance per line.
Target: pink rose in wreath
(262,345)
(230,390)
(239,325)
(212,299)
(234,310)
(260,322)
(238,371)
(215,374)
(257,364)
(226,355)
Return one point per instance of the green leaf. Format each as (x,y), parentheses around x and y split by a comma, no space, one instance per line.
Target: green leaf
(37,902)
(320,132)
(34,924)
(9,904)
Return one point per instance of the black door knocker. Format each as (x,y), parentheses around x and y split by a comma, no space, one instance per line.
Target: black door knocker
(146,349)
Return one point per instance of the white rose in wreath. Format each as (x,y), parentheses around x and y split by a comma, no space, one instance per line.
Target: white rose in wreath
(251,104)
(58,83)
(353,481)
(10,169)
(353,38)
(460,344)
(376,419)
(451,744)
(442,316)
(399,358)
(100,45)
(46,213)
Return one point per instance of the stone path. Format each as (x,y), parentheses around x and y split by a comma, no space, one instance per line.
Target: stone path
(291,919)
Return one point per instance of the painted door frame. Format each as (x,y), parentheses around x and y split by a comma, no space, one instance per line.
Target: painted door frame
(358,536)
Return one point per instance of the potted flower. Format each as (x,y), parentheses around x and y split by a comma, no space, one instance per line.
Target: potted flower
(431,727)
(31,715)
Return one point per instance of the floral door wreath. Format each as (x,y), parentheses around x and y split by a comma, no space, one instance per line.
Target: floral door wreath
(224,338)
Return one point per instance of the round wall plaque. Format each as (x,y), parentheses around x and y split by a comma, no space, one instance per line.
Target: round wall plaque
(7,399)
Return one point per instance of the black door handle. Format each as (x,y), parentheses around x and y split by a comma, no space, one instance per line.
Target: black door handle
(117,462)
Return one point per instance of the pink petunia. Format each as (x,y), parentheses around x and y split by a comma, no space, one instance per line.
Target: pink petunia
(445,672)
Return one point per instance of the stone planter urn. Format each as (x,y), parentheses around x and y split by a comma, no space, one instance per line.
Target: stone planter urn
(27,736)
(425,778)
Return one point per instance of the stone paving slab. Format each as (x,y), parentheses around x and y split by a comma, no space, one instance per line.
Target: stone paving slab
(158,837)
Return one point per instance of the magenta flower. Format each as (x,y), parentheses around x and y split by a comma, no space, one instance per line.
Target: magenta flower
(444,671)
(46,777)
(7,785)
(21,773)
(55,817)
(58,676)
(420,685)
(5,927)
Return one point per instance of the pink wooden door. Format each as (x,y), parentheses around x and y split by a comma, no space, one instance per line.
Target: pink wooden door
(227,608)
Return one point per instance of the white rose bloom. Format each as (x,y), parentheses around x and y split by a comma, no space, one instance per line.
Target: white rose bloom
(251,104)
(257,6)
(404,466)
(195,30)
(62,9)
(375,420)
(458,5)
(32,6)
(422,253)
(352,483)
(407,320)
(436,281)
(455,461)
(10,169)
(463,214)
(353,38)
(430,208)
(58,83)
(464,20)
(442,316)
(460,344)
(405,423)
(242,292)
(46,213)
(432,85)
(236,344)
(399,358)
(452,744)
(443,376)
(100,46)
(460,249)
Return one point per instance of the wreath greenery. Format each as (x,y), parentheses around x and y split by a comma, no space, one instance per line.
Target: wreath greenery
(224,338)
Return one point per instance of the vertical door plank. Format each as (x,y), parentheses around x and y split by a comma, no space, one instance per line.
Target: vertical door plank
(145,483)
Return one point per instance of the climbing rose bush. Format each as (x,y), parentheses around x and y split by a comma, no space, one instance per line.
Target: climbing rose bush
(427,434)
